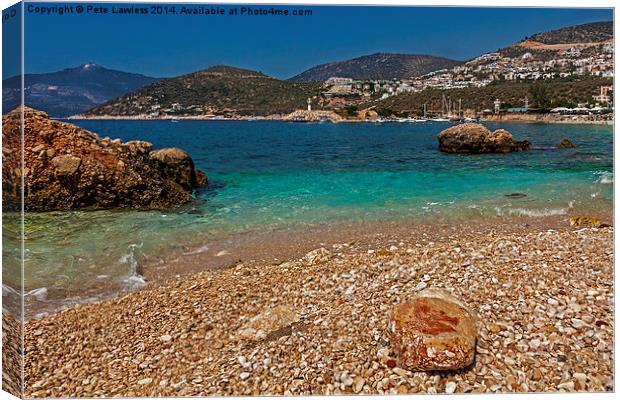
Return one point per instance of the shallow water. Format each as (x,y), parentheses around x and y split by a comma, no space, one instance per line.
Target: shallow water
(271,175)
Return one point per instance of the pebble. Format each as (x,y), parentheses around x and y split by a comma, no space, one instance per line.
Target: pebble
(553,302)
(197,320)
(358,384)
(569,386)
(577,323)
(580,380)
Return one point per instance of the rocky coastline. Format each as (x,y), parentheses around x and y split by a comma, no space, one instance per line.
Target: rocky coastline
(543,118)
(67,167)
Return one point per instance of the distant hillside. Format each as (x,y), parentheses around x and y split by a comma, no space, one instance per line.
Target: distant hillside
(218,90)
(72,90)
(559,92)
(377,66)
(585,33)
(588,38)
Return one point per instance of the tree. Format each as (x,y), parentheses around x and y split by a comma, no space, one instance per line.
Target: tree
(386,112)
(352,110)
(540,95)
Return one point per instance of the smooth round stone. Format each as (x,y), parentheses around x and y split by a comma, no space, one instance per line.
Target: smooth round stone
(434,331)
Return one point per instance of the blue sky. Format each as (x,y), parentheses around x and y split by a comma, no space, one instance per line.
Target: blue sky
(165,45)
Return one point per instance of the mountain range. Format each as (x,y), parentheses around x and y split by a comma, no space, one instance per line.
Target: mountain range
(72,90)
(93,90)
(377,66)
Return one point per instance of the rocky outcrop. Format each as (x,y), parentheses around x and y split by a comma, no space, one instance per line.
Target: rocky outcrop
(67,167)
(432,332)
(474,138)
(177,165)
(565,144)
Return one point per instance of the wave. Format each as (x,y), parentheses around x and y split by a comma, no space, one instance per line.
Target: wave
(605,177)
(527,212)
(134,278)
(40,293)
(201,249)
(6,289)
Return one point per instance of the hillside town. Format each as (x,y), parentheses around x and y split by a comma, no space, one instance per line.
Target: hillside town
(564,75)
(526,61)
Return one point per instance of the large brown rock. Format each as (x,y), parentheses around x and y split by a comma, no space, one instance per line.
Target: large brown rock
(67,167)
(178,166)
(474,138)
(434,331)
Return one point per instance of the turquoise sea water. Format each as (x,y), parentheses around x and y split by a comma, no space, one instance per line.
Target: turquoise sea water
(270,175)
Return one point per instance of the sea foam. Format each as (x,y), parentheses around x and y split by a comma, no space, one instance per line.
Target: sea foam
(527,212)
(605,177)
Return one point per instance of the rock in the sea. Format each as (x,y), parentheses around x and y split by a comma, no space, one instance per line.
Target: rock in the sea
(67,167)
(271,323)
(565,144)
(434,331)
(178,166)
(471,138)
(515,195)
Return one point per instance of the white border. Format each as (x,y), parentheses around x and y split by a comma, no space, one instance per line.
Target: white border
(480,3)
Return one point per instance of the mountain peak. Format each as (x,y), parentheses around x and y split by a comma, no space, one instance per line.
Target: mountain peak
(71,90)
(90,66)
(231,71)
(380,65)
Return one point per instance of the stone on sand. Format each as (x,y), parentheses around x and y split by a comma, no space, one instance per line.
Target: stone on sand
(434,331)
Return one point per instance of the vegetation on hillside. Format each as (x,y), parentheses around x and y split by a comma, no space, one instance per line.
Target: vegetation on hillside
(585,33)
(540,94)
(216,90)
(377,66)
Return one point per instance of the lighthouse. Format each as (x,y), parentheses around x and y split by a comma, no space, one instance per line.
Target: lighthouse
(497,105)
(309,104)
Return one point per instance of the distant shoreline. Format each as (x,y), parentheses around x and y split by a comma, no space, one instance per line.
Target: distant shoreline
(528,119)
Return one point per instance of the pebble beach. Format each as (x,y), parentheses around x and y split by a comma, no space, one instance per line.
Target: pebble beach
(541,291)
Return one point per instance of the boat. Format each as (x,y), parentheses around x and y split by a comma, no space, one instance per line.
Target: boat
(174,120)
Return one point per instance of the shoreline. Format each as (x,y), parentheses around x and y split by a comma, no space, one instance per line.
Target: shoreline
(342,291)
(281,119)
(272,245)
